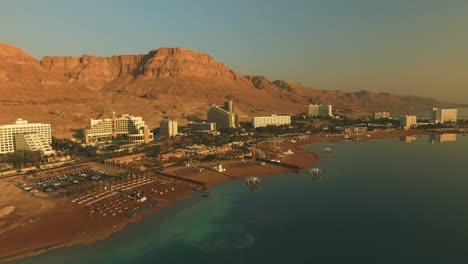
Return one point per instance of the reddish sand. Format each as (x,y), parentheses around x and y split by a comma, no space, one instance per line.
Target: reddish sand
(62,223)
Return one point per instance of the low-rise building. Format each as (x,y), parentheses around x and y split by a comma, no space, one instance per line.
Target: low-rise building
(173,154)
(349,130)
(202,126)
(273,120)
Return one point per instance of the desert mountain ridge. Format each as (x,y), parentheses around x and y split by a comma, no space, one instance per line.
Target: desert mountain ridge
(173,82)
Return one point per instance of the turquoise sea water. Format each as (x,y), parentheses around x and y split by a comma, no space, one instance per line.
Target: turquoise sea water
(382,201)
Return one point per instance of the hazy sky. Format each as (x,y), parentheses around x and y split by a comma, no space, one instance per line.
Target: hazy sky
(401,46)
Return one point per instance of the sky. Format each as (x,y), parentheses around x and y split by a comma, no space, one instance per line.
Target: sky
(415,47)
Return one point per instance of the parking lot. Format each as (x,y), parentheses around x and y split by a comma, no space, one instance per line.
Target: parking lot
(70,183)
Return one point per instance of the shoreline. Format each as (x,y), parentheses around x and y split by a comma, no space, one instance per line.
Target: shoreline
(10,251)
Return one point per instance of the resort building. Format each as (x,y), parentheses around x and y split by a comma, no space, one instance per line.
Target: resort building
(202,126)
(127,127)
(349,130)
(30,136)
(444,115)
(168,128)
(381,115)
(273,120)
(408,121)
(319,110)
(225,116)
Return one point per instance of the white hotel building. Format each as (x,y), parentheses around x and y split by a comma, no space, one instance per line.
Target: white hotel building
(132,128)
(25,136)
(274,120)
(444,115)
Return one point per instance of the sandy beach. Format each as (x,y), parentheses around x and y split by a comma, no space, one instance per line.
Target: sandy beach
(31,225)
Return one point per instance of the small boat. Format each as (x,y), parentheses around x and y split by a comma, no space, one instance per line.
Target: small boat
(315,171)
(327,150)
(252,181)
(205,192)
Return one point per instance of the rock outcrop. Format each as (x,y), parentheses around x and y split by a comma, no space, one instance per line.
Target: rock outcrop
(259,82)
(91,71)
(180,62)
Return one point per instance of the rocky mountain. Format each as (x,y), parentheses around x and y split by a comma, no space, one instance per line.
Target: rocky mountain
(174,82)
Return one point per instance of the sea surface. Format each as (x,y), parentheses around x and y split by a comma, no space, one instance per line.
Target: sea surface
(382,201)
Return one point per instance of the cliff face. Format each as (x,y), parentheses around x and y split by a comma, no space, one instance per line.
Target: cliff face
(90,71)
(95,72)
(180,62)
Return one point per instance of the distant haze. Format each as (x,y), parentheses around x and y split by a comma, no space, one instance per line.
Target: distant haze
(402,46)
(463,113)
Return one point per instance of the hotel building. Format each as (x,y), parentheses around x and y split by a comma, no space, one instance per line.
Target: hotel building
(274,120)
(25,136)
(132,128)
(408,121)
(167,128)
(319,110)
(202,126)
(225,116)
(381,115)
(444,115)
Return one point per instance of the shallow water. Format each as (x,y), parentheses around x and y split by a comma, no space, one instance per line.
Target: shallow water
(382,201)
